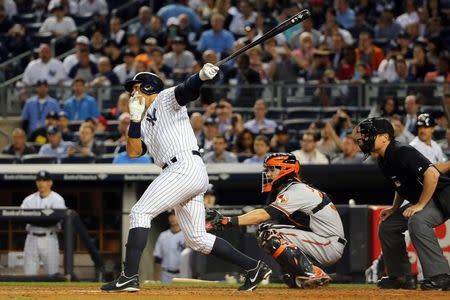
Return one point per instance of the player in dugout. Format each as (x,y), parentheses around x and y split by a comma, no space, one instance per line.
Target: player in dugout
(309,230)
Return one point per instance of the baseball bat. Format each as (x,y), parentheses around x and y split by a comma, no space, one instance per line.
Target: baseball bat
(300,17)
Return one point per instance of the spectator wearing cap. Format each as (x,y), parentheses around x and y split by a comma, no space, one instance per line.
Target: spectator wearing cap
(81,45)
(86,145)
(345,16)
(308,154)
(402,135)
(179,59)
(424,142)
(243,15)
(80,106)
(44,68)
(178,8)
(261,146)
(37,107)
(251,34)
(105,76)
(63,126)
(93,7)
(112,51)
(18,146)
(142,25)
(217,38)
(367,52)
(281,141)
(59,24)
(211,129)
(84,68)
(56,146)
(39,135)
(116,33)
(219,154)
(126,70)
(260,124)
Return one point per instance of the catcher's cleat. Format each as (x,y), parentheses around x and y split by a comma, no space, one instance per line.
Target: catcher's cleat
(439,282)
(254,276)
(387,282)
(318,279)
(123,284)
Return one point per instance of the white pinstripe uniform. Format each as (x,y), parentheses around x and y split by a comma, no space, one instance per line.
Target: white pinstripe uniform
(323,231)
(167,133)
(42,248)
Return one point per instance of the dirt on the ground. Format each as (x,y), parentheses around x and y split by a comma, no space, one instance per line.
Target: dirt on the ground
(200,293)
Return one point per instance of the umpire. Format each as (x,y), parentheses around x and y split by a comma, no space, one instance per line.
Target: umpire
(427,192)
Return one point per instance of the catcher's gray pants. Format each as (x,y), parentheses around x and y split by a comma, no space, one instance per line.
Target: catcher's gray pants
(420,226)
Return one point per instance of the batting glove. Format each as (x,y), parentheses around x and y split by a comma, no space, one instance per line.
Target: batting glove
(208,72)
(136,105)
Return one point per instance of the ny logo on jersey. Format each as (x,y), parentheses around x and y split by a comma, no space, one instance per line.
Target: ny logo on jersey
(151,117)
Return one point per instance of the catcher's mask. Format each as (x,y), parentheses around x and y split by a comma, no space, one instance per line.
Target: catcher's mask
(367,130)
(285,162)
(150,83)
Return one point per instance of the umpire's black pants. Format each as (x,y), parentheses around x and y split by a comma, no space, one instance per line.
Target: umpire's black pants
(420,226)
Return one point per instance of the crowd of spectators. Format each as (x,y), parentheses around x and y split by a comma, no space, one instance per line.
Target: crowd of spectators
(343,41)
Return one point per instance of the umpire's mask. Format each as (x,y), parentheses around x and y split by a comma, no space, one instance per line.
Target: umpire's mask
(367,130)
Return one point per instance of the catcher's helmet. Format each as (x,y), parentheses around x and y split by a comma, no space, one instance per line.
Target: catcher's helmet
(150,83)
(285,162)
(367,130)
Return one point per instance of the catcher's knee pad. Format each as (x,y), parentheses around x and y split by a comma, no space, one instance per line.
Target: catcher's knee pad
(289,256)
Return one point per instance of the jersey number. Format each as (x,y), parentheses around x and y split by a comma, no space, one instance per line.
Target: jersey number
(151,117)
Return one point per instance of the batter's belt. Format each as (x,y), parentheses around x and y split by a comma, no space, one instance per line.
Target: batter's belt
(174,159)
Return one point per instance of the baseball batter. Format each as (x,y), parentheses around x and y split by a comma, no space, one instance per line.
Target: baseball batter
(41,243)
(309,230)
(160,126)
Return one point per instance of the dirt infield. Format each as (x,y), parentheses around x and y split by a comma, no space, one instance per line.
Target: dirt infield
(50,291)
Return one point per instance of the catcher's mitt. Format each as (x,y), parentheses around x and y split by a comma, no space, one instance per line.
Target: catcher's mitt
(215,221)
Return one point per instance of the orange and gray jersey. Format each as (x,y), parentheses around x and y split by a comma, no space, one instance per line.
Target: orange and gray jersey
(308,209)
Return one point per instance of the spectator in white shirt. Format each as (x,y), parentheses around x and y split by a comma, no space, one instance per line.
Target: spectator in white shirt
(116,33)
(410,16)
(424,141)
(308,154)
(44,68)
(93,7)
(70,6)
(260,125)
(59,24)
(81,44)
(242,17)
(126,70)
(10,8)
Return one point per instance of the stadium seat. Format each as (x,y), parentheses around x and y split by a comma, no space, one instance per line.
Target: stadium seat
(32,28)
(311,112)
(105,158)
(38,159)
(25,18)
(41,37)
(298,124)
(109,148)
(78,160)
(8,159)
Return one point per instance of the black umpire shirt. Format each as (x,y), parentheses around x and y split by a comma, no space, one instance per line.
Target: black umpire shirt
(404,166)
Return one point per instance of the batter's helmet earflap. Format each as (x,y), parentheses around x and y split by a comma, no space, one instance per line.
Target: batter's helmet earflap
(367,130)
(150,83)
(285,162)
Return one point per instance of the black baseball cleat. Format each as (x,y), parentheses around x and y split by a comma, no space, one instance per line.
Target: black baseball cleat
(439,282)
(387,282)
(123,284)
(254,276)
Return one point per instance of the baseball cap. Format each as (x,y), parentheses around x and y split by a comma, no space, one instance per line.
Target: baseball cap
(425,120)
(151,41)
(41,82)
(52,130)
(43,175)
(249,27)
(63,114)
(82,40)
(128,52)
(111,42)
(281,129)
(210,121)
(172,21)
(52,115)
(178,39)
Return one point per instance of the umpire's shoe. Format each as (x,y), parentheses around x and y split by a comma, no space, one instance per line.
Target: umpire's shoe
(387,282)
(439,282)
(123,284)
(254,276)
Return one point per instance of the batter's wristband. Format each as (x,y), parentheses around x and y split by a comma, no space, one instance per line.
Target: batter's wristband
(234,221)
(134,131)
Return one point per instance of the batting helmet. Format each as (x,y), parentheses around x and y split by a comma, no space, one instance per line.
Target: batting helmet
(425,120)
(367,130)
(285,162)
(150,83)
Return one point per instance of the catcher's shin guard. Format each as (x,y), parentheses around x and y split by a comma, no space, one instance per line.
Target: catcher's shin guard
(289,256)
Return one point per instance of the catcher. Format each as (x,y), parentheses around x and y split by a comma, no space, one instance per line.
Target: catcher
(309,228)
